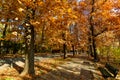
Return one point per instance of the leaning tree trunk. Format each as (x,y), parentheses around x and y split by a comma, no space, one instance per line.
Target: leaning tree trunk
(29,53)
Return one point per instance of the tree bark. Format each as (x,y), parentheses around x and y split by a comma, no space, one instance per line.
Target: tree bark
(64,50)
(4,31)
(92,38)
(90,47)
(64,45)
(29,40)
(43,39)
(73,49)
(29,55)
(43,34)
(96,58)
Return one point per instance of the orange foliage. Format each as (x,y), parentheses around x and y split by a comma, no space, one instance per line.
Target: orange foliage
(58,15)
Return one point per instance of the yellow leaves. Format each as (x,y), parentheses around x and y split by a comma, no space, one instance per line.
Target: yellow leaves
(20,9)
(35,23)
(107,6)
(99,3)
(83,4)
(106,14)
(5,7)
(31,3)
(10,36)
(58,1)
(40,3)
(14,33)
(1,39)
(69,10)
(19,1)
(52,19)
(46,65)
(56,41)
(64,0)
(74,16)
(26,2)
(93,14)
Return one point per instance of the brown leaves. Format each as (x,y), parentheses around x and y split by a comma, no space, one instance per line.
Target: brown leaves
(83,4)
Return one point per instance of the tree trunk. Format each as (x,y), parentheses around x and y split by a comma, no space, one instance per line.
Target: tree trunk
(93,45)
(96,58)
(4,31)
(73,50)
(29,40)
(92,38)
(90,47)
(43,39)
(43,34)
(64,45)
(29,55)
(64,50)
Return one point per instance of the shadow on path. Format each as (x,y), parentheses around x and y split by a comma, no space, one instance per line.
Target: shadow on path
(86,75)
(72,70)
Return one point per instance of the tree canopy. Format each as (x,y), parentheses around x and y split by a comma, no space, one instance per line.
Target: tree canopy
(84,24)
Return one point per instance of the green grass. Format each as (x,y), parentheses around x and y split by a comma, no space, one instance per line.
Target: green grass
(111,51)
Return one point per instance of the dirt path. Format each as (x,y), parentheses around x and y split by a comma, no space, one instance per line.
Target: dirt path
(73,69)
(76,69)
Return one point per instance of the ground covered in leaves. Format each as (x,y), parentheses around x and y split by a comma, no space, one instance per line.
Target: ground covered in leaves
(52,68)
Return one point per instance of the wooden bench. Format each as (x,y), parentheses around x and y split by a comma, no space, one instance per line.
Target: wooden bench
(108,71)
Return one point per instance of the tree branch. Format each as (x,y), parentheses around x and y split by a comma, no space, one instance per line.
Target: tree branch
(104,30)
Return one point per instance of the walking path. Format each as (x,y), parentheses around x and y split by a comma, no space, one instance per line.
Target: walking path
(74,69)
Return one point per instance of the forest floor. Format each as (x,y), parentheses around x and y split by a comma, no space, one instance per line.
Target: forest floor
(52,68)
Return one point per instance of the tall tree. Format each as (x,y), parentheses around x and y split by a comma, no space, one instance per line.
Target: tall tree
(32,13)
(91,37)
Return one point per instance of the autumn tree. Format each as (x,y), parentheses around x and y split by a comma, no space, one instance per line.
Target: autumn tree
(31,14)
